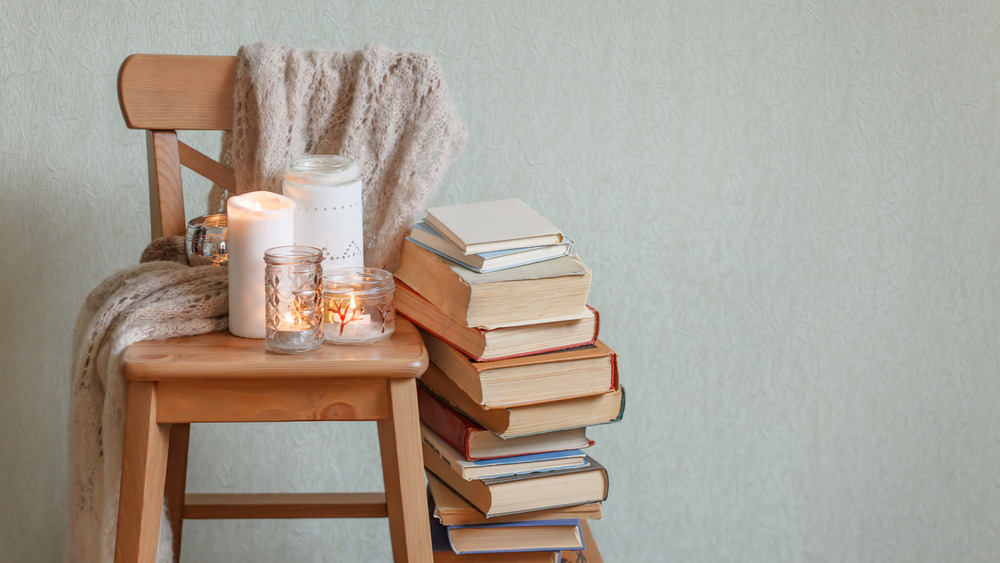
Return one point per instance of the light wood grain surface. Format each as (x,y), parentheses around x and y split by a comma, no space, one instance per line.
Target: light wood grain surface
(221,355)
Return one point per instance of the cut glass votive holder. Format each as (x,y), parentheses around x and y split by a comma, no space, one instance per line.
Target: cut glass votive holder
(293,299)
(358,305)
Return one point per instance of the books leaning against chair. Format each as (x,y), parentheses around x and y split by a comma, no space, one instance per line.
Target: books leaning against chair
(517,373)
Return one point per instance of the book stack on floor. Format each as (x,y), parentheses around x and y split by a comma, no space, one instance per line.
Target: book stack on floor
(517,374)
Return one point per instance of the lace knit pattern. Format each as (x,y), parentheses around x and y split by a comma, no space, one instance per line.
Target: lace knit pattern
(388,110)
(160,298)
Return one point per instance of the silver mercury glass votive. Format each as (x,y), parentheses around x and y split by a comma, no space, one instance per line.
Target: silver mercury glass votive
(206,240)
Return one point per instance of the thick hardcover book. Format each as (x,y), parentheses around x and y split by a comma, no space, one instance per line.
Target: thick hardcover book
(577,372)
(503,466)
(527,420)
(485,262)
(524,493)
(498,343)
(492,225)
(474,442)
(549,291)
(509,537)
(451,509)
(443,552)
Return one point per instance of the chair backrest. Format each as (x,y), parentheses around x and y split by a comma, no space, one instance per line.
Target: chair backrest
(164,94)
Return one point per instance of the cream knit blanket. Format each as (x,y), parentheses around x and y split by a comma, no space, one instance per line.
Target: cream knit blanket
(389,111)
(160,298)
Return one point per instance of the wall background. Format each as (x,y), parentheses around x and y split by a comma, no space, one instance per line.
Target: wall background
(790,209)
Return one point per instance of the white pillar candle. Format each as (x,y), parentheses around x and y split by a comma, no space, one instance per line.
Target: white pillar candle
(328,213)
(257,221)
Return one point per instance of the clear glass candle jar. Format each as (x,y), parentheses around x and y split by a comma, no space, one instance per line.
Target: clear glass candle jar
(358,305)
(293,288)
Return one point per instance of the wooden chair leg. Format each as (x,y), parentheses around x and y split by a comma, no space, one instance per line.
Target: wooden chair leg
(144,464)
(403,473)
(176,481)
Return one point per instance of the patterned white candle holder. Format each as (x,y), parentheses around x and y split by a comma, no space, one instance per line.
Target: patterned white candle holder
(358,305)
(328,212)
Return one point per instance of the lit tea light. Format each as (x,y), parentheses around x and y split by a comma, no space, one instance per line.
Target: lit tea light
(349,322)
(358,304)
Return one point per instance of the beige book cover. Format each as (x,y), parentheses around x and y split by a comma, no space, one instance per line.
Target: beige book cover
(492,225)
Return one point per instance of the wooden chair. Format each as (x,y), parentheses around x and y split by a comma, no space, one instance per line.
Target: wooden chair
(221,378)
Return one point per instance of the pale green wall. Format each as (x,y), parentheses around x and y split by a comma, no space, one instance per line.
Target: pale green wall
(791,211)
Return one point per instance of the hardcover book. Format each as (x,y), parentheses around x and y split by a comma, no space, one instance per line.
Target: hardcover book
(498,343)
(549,291)
(485,262)
(524,493)
(508,537)
(500,467)
(451,509)
(532,419)
(492,225)
(577,372)
(474,442)
(443,552)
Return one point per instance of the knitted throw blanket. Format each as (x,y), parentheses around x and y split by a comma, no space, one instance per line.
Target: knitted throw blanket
(389,111)
(160,298)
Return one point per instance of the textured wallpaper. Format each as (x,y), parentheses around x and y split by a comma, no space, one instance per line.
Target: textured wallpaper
(790,209)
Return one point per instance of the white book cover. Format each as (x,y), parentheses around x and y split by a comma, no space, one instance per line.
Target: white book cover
(493,225)
(485,262)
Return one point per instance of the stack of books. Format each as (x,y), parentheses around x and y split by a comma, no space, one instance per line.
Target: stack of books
(517,374)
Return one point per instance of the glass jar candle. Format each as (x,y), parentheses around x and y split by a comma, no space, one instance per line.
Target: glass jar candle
(293,285)
(358,305)
(326,190)
(206,240)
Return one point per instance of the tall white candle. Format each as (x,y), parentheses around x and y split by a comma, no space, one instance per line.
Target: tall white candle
(257,221)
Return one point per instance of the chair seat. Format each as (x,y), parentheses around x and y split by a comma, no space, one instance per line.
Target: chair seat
(219,377)
(220,355)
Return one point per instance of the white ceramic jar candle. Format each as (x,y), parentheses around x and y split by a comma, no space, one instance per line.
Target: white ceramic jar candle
(257,221)
(326,190)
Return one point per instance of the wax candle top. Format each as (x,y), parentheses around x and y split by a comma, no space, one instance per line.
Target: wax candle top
(259,203)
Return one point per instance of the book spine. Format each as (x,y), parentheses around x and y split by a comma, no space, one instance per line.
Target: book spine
(450,425)
(614,370)
(597,323)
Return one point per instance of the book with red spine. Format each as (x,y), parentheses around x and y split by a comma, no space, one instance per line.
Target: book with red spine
(475,442)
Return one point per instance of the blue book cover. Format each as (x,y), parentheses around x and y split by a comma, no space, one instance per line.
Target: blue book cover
(529,457)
